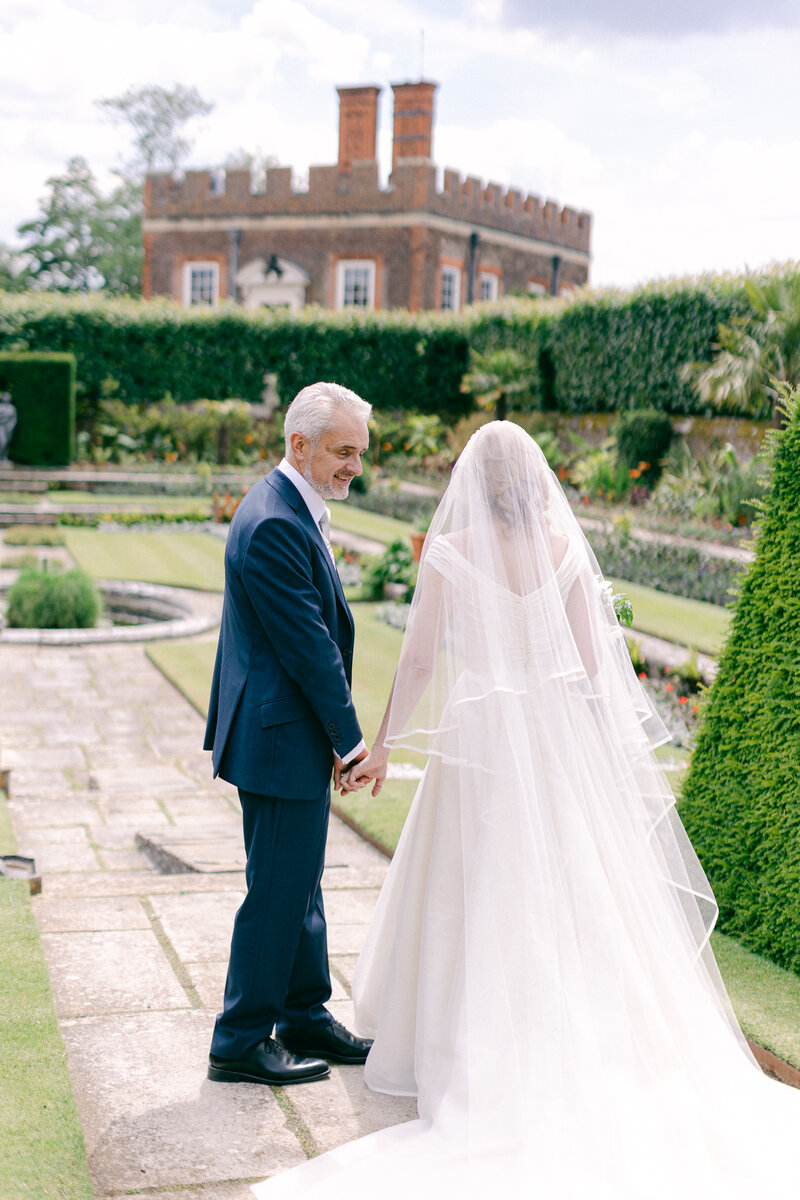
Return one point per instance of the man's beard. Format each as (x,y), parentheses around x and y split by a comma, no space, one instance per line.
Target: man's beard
(328,491)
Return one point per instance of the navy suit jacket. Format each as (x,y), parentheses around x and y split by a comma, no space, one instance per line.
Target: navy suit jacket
(280,697)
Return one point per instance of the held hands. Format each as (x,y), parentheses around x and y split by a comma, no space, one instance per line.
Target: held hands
(358,774)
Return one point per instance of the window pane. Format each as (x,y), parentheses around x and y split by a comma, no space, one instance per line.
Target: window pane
(356,287)
(202,286)
(448,300)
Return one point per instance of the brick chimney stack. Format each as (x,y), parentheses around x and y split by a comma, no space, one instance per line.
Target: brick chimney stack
(358,125)
(413,120)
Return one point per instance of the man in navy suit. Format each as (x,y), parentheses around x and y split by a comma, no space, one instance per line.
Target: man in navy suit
(281,720)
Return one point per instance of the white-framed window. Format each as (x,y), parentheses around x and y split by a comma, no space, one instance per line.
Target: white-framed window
(450,298)
(355,283)
(200,283)
(535,288)
(488,285)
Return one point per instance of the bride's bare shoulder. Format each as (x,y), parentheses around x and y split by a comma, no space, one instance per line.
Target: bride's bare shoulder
(559,543)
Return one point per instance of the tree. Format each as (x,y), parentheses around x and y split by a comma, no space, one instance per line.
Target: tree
(14,275)
(500,379)
(758,352)
(157,116)
(81,240)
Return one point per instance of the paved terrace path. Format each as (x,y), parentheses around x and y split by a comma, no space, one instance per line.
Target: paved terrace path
(102,748)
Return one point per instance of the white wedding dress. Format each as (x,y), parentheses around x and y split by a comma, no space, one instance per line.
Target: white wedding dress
(538,971)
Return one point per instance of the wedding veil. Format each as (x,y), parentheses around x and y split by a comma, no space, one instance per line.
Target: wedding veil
(516,674)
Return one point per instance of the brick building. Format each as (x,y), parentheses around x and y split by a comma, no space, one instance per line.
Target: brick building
(347,241)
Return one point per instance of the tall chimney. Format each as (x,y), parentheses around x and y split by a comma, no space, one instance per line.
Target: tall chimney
(413,120)
(358,125)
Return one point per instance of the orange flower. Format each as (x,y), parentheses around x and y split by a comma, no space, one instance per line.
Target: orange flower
(643,674)
(248,437)
(386,446)
(634,473)
(670,687)
(682,700)
(695,710)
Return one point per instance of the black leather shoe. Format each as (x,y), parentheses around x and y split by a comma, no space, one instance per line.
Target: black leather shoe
(334,1042)
(268,1062)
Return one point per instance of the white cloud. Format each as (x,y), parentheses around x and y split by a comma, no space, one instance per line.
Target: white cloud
(686,160)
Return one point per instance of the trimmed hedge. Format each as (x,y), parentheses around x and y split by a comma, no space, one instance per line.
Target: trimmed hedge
(42,388)
(601,352)
(142,351)
(741,798)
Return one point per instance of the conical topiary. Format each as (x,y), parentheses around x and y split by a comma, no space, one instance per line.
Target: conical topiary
(741,799)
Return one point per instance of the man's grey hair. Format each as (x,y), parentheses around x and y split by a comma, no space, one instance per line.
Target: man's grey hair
(314,411)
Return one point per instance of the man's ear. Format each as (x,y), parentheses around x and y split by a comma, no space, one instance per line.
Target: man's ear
(299,447)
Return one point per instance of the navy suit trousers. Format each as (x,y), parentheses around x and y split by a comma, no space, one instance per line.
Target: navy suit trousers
(278,974)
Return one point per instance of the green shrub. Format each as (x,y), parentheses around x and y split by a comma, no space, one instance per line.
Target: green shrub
(209,431)
(741,799)
(643,437)
(53,599)
(42,388)
(716,487)
(395,565)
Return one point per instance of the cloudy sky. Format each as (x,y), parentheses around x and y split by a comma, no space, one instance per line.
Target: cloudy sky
(674,123)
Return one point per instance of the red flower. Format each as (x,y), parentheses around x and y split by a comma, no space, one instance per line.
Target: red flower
(682,700)
(695,710)
(643,674)
(670,687)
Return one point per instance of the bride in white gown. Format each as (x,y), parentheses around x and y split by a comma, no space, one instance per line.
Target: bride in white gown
(538,970)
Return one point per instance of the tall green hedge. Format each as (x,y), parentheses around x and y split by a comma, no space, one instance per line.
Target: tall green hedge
(741,799)
(139,351)
(42,388)
(601,352)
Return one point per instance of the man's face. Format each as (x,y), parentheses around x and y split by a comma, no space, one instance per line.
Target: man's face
(337,458)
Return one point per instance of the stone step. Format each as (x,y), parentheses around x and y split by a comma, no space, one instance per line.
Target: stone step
(10,517)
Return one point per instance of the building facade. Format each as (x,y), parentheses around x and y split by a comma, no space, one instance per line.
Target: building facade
(346,241)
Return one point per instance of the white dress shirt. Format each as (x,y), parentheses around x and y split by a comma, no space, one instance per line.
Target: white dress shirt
(318,508)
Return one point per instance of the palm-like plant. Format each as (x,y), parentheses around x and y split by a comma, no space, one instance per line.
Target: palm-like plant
(500,379)
(757,352)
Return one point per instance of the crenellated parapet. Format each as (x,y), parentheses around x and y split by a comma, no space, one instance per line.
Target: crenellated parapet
(413,186)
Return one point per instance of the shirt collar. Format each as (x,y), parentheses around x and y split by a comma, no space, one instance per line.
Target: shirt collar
(314,502)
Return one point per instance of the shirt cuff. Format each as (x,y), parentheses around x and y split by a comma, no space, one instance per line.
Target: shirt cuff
(354,753)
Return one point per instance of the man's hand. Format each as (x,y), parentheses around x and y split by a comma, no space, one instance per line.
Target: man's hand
(365,770)
(339,770)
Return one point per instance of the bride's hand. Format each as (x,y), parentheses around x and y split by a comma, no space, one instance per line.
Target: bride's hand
(369,769)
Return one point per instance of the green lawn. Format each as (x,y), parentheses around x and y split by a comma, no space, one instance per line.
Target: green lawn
(765,997)
(193,560)
(368,524)
(131,503)
(687,622)
(43,1152)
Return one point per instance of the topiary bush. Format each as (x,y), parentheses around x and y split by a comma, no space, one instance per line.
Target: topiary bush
(643,437)
(741,798)
(42,389)
(53,599)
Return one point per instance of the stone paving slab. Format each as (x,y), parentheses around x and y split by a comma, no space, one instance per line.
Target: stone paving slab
(342,1108)
(73,914)
(198,925)
(151,1118)
(138,958)
(110,971)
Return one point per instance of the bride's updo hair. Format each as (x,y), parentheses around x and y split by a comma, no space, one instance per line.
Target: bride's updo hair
(514,473)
